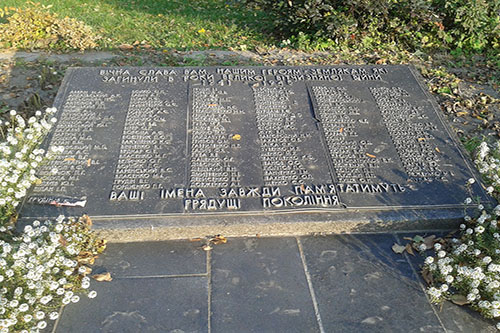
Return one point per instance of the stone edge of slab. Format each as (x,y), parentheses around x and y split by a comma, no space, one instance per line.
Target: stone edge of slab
(271,225)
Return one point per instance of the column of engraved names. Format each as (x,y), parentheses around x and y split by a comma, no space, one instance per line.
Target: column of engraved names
(211,163)
(81,115)
(142,162)
(410,133)
(340,119)
(279,137)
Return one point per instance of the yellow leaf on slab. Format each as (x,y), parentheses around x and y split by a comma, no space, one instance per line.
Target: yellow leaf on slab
(103,277)
(236,137)
(219,239)
(398,248)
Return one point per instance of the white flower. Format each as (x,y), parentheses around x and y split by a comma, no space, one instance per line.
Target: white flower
(449,278)
(41,325)
(53,315)
(39,315)
(471,181)
(429,260)
(468,201)
(92,294)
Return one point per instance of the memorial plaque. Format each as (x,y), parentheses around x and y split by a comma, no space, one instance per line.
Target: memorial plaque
(248,142)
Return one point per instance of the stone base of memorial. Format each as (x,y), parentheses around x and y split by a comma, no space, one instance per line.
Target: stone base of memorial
(183,152)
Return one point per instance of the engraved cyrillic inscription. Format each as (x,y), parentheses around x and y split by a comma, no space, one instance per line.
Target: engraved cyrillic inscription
(81,117)
(212,164)
(142,162)
(411,132)
(340,120)
(279,137)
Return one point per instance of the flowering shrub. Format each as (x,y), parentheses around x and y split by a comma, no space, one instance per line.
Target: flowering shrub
(41,268)
(45,266)
(20,156)
(488,162)
(466,269)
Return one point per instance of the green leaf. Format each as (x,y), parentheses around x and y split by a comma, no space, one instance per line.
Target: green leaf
(418,239)
(459,299)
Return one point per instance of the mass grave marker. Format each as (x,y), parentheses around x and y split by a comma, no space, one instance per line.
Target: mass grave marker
(250,145)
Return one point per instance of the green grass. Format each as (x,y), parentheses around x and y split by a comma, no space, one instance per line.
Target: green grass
(170,24)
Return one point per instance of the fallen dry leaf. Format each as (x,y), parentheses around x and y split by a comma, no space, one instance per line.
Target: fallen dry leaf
(195,239)
(103,277)
(88,270)
(86,220)
(427,276)
(459,299)
(370,155)
(398,248)
(125,47)
(236,137)
(409,249)
(62,241)
(429,241)
(86,257)
(101,245)
(218,239)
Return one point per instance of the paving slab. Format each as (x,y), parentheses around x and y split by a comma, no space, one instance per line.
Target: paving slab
(362,285)
(259,285)
(349,283)
(153,259)
(140,305)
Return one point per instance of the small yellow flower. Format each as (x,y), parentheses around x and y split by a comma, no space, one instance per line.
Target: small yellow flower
(201,31)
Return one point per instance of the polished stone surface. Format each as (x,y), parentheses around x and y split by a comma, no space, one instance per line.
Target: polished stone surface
(244,143)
